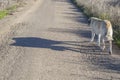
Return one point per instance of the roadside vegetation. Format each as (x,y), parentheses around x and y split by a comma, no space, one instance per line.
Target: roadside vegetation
(8,11)
(8,7)
(104,9)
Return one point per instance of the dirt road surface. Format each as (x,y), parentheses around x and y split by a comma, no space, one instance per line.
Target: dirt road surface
(50,41)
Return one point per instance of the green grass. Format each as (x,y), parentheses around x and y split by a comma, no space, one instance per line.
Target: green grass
(7,11)
(118,43)
(117,37)
(3,13)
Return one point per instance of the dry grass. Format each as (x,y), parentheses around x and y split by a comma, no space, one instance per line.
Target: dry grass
(8,3)
(104,9)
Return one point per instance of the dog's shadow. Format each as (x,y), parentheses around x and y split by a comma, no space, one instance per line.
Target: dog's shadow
(81,47)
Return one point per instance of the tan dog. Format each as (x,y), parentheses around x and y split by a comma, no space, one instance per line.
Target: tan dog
(102,28)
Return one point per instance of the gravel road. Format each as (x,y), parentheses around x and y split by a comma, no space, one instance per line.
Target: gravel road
(50,41)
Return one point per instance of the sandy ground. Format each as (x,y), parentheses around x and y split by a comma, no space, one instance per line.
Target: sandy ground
(50,41)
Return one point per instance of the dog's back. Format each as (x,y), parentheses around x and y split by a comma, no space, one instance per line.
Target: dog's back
(96,25)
